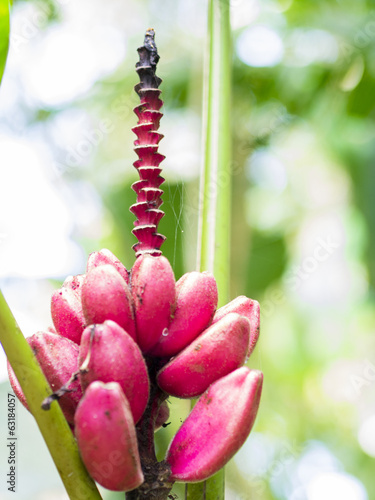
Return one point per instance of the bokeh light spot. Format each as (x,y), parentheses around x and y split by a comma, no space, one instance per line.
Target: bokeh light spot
(260,46)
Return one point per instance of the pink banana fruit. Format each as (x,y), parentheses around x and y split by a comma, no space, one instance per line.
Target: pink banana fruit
(105,256)
(154,296)
(196,303)
(58,359)
(216,352)
(246,307)
(106,437)
(217,426)
(106,295)
(16,386)
(66,309)
(111,355)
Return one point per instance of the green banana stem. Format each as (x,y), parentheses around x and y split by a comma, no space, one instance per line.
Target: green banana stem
(214,220)
(215,195)
(52,424)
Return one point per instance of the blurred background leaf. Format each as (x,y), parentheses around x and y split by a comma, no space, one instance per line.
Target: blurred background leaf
(4,34)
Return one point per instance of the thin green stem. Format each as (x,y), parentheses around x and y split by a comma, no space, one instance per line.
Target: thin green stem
(215,192)
(52,423)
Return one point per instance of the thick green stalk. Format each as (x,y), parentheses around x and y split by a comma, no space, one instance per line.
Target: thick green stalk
(52,424)
(4,34)
(215,192)
(214,220)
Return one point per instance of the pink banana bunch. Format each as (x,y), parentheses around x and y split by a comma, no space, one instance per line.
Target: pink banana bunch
(124,341)
(143,337)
